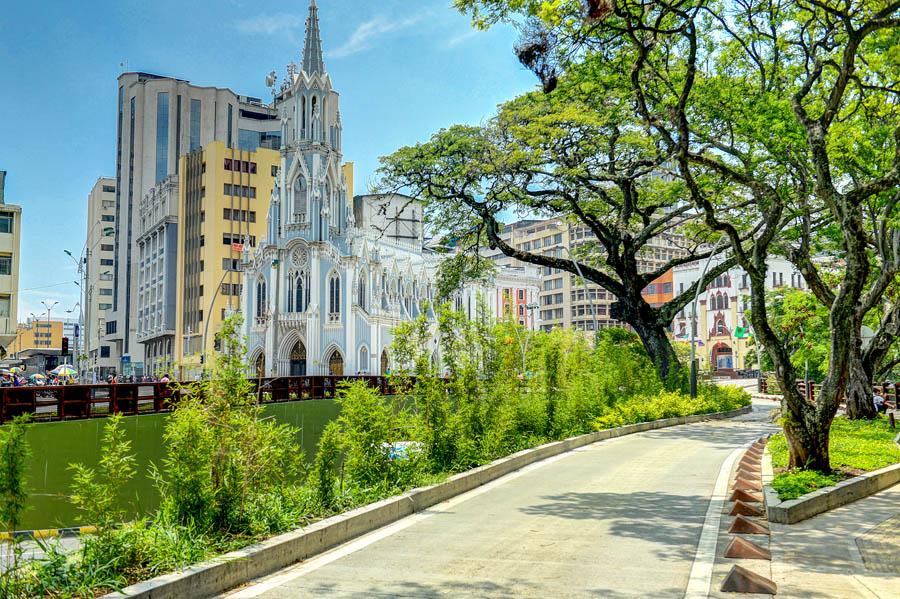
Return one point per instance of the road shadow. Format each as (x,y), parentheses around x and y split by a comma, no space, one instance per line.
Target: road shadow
(673,522)
(431,590)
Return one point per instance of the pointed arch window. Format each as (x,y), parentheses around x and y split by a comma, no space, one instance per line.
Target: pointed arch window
(303,117)
(361,289)
(260,299)
(300,198)
(334,298)
(363,360)
(298,292)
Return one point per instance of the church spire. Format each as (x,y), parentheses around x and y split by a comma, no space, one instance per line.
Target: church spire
(312,45)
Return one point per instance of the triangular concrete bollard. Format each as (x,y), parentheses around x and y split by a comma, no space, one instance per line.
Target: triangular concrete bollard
(744,525)
(753,454)
(745,509)
(742,484)
(746,496)
(742,580)
(743,549)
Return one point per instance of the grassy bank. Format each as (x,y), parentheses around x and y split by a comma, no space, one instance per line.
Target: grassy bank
(857,446)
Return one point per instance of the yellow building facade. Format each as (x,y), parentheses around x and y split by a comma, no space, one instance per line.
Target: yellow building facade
(223,202)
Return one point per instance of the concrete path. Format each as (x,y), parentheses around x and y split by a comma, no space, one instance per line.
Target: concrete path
(853,551)
(620,518)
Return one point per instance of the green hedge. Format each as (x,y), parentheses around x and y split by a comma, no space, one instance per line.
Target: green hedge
(670,404)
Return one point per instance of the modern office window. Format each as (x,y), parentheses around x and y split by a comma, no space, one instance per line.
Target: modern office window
(104,351)
(110,327)
(105,291)
(106,247)
(195,125)
(5,265)
(108,218)
(4,306)
(106,276)
(162,135)
(106,306)
(109,188)
(6,222)
(232,264)
(106,261)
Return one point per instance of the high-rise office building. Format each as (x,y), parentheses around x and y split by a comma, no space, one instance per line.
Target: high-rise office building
(99,276)
(158,120)
(10,239)
(223,201)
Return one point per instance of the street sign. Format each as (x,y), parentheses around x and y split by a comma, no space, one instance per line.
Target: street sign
(126,359)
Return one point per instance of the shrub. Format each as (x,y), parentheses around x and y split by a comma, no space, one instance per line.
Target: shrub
(97,493)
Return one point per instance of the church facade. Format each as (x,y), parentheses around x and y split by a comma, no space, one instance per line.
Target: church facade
(323,291)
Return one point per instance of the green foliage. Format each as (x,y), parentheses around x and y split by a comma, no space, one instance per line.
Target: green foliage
(454,271)
(324,474)
(14,452)
(800,483)
(97,493)
(223,457)
(856,445)
(670,404)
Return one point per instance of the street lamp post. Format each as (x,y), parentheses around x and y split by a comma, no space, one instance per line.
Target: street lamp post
(49,324)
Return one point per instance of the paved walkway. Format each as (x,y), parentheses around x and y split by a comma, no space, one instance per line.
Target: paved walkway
(620,518)
(853,551)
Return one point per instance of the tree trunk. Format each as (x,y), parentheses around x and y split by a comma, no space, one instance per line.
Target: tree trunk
(860,393)
(659,348)
(807,445)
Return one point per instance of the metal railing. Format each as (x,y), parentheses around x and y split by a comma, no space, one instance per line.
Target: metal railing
(73,402)
(889,391)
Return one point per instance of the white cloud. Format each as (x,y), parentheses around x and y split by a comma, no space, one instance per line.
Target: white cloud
(367,33)
(269,24)
(462,38)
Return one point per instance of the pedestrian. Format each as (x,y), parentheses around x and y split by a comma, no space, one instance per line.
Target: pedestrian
(165,378)
(880,405)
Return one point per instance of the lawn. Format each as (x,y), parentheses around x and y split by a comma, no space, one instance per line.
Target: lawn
(857,446)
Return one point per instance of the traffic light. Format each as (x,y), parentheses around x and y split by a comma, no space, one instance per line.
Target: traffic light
(65,345)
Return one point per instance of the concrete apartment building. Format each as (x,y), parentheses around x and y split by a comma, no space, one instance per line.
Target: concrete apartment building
(10,242)
(99,276)
(223,202)
(564,301)
(158,120)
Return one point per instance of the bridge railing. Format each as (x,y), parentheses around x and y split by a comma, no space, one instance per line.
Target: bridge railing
(889,391)
(70,402)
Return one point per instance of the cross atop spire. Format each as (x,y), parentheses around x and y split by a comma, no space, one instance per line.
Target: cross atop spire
(312,45)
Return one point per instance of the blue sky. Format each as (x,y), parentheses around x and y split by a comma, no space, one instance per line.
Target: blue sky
(404,68)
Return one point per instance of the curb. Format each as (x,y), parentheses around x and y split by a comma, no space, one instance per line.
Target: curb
(254,561)
(829,498)
(48,533)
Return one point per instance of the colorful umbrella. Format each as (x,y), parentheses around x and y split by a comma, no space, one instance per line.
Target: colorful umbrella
(64,370)
(37,378)
(16,370)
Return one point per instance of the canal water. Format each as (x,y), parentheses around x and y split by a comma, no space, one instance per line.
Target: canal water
(56,445)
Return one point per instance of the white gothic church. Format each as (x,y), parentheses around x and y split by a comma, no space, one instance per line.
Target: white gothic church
(335,273)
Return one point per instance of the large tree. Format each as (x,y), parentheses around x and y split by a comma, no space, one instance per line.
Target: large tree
(577,154)
(791,105)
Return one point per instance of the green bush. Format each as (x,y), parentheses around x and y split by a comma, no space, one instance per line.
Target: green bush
(669,404)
